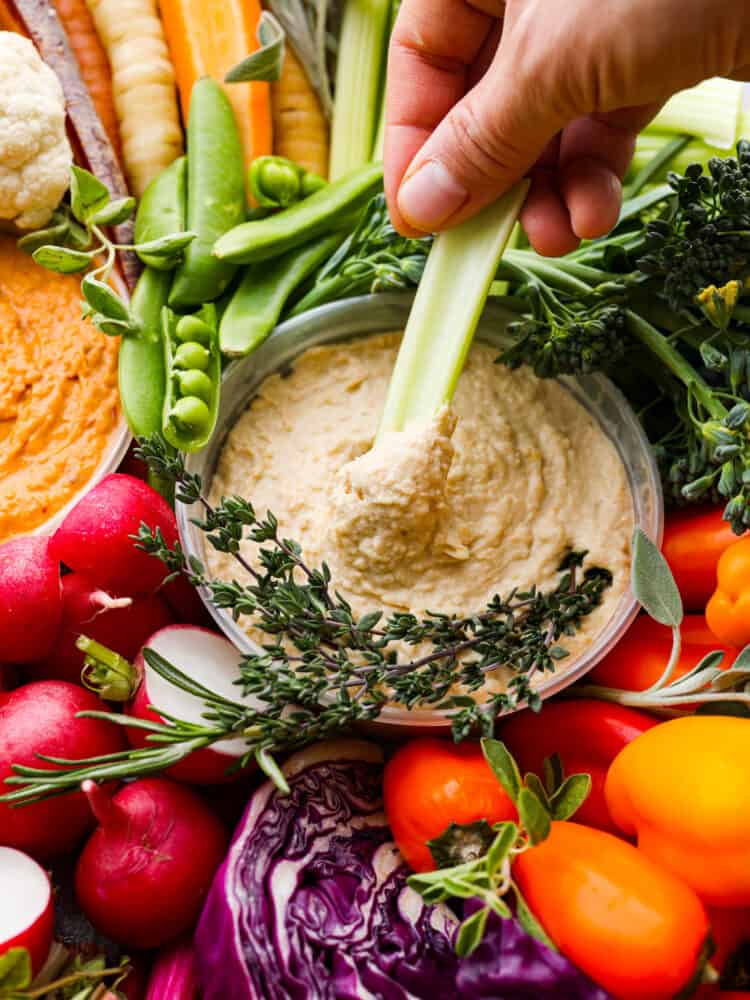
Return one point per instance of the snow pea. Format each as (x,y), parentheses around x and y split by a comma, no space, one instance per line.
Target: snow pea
(257,303)
(215,195)
(161,211)
(142,375)
(322,212)
(193,365)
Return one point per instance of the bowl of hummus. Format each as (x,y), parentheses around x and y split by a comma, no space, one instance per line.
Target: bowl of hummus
(486,497)
(61,427)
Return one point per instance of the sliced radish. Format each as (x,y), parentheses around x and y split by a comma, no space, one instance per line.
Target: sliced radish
(26,909)
(209,659)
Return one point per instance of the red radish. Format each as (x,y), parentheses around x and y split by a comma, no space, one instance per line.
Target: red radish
(30,599)
(26,908)
(184,602)
(96,536)
(144,873)
(120,623)
(209,659)
(40,718)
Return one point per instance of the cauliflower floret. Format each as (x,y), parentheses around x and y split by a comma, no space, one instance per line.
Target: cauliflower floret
(35,155)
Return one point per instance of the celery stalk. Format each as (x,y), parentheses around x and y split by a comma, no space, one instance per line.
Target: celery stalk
(710,112)
(650,143)
(378,144)
(359,71)
(449,301)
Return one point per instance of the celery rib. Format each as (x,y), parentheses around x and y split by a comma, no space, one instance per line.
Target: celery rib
(710,112)
(449,301)
(359,72)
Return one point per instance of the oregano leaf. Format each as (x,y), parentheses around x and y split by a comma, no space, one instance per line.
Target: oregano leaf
(87,194)
(112,214)
(471,932)
(570,796)
(653,584)
(533,816)
(503,766)
(529,922)
(103,299)
(61,260)
(15,970)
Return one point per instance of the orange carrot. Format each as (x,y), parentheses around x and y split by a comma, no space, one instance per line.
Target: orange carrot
(8,20)
(209,37)
(92,62)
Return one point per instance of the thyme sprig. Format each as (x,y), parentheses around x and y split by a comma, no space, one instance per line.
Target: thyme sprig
(323,668)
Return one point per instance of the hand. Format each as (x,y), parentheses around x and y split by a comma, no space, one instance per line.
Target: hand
(482,93)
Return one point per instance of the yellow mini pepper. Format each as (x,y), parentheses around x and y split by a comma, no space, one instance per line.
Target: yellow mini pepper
(683,788)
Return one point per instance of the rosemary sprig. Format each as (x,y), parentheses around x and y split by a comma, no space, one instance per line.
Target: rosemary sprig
(323,668)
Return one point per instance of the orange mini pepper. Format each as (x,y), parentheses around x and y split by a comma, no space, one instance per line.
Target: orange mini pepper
(728,610)
(683,788)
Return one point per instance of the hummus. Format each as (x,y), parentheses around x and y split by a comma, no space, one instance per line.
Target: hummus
(487,496)
(58,392)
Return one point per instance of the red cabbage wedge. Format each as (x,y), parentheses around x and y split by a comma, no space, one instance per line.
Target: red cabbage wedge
(311,903)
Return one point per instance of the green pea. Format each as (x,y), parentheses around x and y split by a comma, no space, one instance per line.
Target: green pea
(193,328)
(195,383)
(191,355)
(191,413)
(311,183)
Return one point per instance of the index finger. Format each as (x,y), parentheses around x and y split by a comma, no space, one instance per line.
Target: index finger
(433,47)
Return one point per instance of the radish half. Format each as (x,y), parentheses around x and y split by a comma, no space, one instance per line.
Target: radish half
(26,909)
(209,659)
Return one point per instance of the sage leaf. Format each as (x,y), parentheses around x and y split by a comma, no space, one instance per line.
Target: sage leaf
(653,584)
(733,708)
(532,781)
(267,61)
(529,922)
(533,815)
(103,299)
(570,796)
(743,660)
(15,970)
(500,847)
(87,194)
(114,213)
(503,766)
(61,260)
(471,932)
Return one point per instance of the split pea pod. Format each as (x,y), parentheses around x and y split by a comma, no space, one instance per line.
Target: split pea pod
(193,364)
(161,211)
(324,211)
(215,195)
(276,182)
(256,305)
(142,373)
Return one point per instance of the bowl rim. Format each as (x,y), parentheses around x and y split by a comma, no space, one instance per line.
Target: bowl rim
(393,717)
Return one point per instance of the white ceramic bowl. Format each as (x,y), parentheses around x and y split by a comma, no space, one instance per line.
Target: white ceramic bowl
(379,313)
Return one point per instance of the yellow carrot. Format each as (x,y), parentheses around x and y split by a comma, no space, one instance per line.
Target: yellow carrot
(300,129)
(144,86)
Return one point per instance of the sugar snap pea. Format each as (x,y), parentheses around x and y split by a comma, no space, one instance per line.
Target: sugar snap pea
(260,297)
(193,365)
(215,195)
(276,182)
(142,374)
(321,213)
(162,211)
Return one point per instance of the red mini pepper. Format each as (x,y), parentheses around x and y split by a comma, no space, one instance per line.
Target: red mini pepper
(587,734)
(694,539)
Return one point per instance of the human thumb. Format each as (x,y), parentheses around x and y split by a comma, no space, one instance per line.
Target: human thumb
(487,142)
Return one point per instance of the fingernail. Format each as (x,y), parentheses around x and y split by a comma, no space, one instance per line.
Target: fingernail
(430,196)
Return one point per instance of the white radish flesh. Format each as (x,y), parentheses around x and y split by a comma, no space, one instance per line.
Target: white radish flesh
(26,911)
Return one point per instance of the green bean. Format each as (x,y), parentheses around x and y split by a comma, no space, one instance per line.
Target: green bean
(142,377)
(191,403)
(161,211)
(259,299)
(215,195)
(321,213)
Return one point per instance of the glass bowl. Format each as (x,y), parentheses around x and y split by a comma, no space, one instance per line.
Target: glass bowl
(376,314)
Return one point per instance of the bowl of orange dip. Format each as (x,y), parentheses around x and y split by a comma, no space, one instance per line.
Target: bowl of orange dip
(61,427)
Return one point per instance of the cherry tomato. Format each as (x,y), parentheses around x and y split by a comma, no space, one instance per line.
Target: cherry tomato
(431,783)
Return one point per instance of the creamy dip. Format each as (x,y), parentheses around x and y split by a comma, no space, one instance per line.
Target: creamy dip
(487,496)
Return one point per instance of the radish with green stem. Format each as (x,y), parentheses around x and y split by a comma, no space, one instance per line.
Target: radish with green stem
(30,599)
(144,873)
(206,658)
(121,623)
(26,907)
(97,537)
(41,718)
